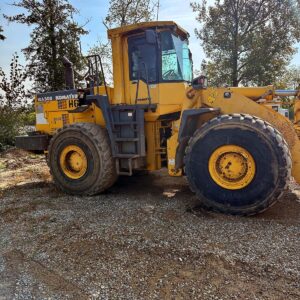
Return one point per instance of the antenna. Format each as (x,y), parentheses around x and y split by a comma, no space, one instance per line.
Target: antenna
(157,10)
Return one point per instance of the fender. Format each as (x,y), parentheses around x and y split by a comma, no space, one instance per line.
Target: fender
(191,120)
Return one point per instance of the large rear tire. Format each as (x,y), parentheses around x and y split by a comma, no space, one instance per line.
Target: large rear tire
(237,164)
(80,159)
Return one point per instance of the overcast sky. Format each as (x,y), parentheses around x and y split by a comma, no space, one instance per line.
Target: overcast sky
(95,11)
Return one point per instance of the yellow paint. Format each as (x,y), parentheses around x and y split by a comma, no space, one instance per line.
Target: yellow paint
(231,167)
(73,162)
(297,111)
(143,92)
(172,145)
(255,93)
(125,30)
(153,156)
(118,67)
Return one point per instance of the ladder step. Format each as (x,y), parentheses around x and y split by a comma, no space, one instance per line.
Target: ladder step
(127,139)
(125,123)
(122,173)
(124,155)
(143,99)
(117,130)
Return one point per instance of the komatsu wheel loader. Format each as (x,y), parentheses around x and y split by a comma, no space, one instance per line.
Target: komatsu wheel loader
(237,153)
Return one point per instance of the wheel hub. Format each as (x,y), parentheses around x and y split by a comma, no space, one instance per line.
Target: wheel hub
(73,162)
(231,167)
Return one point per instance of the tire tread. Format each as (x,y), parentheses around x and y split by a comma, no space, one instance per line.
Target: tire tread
(99,137)
(260,125)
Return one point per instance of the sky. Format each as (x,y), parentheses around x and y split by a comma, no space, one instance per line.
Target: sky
(18,35)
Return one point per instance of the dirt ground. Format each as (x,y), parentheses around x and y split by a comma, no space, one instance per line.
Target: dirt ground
(143,239)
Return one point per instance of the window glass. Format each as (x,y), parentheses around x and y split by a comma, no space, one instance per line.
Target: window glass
(175,56)
(142,59)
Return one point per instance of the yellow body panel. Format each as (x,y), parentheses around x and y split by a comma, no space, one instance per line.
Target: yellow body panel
(256,93)
(118,67)
(144,25)
(172,146)
(153,155)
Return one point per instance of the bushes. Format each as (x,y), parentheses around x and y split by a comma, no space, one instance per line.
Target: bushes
(14,103)
(29,118)
(12,123)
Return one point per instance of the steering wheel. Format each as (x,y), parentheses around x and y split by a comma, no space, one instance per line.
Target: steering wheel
(170,75)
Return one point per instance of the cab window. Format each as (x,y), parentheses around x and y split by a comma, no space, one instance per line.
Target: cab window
(142,59)
(175,58)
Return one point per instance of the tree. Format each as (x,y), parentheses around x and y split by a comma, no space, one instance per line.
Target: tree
(55,34)
(2,37)
(13,93)
(125,12)
(104,50)
(14,102)
(247,41)
(290,79)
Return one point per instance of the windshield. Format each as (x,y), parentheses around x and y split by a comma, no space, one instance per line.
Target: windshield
(176,58)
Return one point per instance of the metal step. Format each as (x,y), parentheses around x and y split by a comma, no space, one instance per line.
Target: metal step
(123,155)
(143,99)
(125,123)
(126,139)
(125,173)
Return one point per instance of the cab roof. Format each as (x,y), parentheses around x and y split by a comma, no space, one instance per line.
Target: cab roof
(139,27)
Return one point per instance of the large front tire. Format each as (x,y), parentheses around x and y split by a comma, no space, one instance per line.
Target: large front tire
(237,164)
(80,159)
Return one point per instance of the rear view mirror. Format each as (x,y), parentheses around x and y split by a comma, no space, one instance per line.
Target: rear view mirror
(150,36)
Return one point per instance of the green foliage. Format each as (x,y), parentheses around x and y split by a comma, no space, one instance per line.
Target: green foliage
(105,52)
(29,118)
(14,100)
(55,34)
(247,42)
(125,12)
(11,122)
(290,79)
(13,93)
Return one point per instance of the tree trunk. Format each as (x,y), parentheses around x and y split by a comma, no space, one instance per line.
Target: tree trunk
(53,74)
(234,74)
(235,49)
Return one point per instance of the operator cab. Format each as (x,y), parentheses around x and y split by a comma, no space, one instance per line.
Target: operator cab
(160,56)
(145,57)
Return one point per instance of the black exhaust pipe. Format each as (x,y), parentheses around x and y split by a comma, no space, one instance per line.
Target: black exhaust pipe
(69,74)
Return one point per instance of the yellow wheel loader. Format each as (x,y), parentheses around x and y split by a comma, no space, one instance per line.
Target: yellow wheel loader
(237,152)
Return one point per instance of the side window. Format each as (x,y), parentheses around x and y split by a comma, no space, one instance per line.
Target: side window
(170,66)
(142,59)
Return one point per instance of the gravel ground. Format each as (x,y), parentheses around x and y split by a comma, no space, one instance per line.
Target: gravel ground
(143,239)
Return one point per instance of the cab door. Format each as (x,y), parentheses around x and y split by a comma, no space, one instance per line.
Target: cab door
(143,70)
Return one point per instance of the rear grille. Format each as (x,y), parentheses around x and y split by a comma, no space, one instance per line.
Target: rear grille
(65,119)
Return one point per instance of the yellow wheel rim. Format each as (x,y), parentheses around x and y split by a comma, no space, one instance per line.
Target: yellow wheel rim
(231,167)
(73,162)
